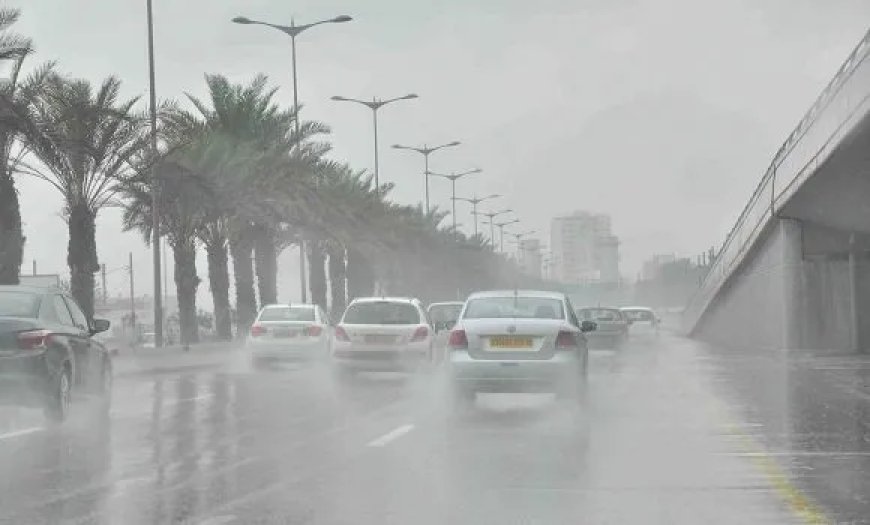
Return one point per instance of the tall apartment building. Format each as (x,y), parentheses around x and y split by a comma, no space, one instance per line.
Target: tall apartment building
(530,257)
(584,249)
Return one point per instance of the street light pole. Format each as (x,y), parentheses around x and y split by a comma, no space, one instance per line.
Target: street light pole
(375,105)
(293,31)
(501,226)
(155,191)
(474,202)
(426,151)
(453,177)
(491,216)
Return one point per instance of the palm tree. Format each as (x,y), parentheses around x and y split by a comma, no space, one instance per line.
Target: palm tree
(255,196)
(92,138)
(186,197)
(16,96)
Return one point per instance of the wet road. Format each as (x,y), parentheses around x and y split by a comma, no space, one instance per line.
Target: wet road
(675,432)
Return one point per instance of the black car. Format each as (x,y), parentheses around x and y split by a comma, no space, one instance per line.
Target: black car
(47,354)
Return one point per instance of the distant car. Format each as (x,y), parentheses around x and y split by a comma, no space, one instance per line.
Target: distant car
(444,315)
(48,356)
(644,321)
(517,341)
(297,332)
(148,340)
(382,334)
(612,325)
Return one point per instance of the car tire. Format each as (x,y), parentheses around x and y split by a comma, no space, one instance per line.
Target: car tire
(60,398)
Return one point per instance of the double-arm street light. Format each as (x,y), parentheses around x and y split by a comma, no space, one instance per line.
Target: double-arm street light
(501,226)
(453,177)
(474,201)
(518,237)
(426,151)
(293,31)
(492,215)
(374,104)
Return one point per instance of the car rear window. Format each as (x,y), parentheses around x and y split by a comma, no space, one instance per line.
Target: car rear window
(638,315)
(18,304)
(287,313)
(441,313)
(606,315)
(381,313)
(515,307)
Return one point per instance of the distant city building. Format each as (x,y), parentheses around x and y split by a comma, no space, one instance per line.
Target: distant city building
(530,256)
(584,248)
(652,267)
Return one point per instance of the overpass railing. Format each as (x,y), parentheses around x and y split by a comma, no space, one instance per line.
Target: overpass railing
(843,102)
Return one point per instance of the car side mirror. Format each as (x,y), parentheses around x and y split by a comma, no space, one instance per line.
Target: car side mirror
(100,325)
(588,326)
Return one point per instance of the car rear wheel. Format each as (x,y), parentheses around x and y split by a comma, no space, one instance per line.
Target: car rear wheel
(60,398)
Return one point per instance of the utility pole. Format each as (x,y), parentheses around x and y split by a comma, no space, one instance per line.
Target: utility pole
(105,293)
(132,297)
(34,266)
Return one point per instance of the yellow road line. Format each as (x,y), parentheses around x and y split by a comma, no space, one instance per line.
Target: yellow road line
(797,502)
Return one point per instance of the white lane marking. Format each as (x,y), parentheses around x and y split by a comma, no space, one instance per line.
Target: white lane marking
(22,432)
(391,436)
(796,453)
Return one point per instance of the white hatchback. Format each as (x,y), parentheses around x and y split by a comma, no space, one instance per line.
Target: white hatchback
(382,334)
(290,332)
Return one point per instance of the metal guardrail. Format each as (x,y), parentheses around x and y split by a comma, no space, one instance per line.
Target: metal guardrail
(843,102)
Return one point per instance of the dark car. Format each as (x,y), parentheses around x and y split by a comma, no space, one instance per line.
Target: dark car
(47,353)
(612,325)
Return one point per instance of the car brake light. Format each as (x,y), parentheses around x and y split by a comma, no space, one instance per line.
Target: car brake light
(420,334)
(257,330)
(341,335)
(566,339)
(458,339)
(314,330)
(34,339)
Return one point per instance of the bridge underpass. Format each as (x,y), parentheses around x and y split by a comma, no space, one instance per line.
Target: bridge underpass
(794,273)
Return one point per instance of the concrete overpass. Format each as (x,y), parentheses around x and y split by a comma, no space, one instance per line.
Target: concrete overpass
(794,272)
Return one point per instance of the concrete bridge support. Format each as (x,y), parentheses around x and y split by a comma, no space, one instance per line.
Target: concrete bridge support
(805,287)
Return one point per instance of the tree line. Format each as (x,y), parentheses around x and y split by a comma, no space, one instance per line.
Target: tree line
(233,178)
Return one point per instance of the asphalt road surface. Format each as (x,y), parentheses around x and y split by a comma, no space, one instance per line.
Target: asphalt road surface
(675,433)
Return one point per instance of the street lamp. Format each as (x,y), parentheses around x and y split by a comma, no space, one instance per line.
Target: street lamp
(375,105)
(491,216)
(518,237)
(474,202)
(155,199)
(293,31)
(453,177)
(426,151)
(501,226)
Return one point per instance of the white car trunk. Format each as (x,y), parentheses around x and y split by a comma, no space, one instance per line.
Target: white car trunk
(512,338)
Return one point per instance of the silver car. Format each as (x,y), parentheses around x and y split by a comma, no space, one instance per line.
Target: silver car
(517,341)
(298,332)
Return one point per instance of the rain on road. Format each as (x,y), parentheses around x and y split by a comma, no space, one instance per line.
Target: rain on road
(676,432)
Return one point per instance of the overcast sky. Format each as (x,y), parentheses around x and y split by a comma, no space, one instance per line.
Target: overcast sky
(662,113)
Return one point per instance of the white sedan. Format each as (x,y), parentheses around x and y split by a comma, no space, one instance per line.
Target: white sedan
(290,332)
(382,334)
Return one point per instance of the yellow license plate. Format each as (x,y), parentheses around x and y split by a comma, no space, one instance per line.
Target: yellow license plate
(510,342)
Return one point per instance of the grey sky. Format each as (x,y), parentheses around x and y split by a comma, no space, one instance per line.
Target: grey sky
(663,113)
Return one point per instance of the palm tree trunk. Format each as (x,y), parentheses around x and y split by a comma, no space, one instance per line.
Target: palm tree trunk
(317,273)
(337,275)
(266,262)
(186,283)
(241,250)
(219,281)
(360,278)
(11,237)
(82,256)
